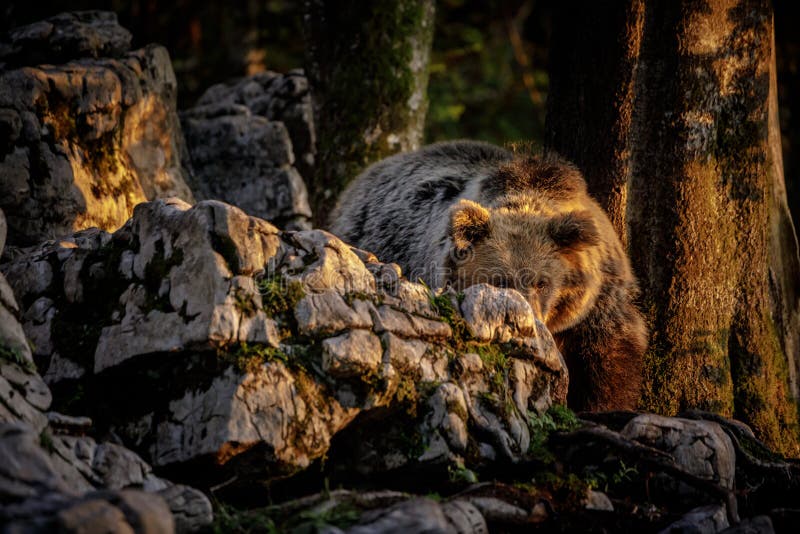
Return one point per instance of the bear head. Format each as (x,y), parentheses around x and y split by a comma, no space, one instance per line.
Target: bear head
(546,257)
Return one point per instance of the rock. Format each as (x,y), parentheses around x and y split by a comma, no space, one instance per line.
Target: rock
(251,143)
(89,134)
(423,515)
(23,394)
(246,160)
(327,313)
(761,524)
(59,481)
(277,97)
(703,520)
(356,353)
(701,448)
(27,469)
(64,37)
(190,508)
(495,510)
(494,314)
(597,500)
(266,344)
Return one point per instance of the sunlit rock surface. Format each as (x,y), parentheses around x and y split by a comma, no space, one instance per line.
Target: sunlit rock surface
(88,128)
(257,346)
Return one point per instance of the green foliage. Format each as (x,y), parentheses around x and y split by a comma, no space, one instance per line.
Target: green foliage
(607,481)
(477,86)
(228,519)
(563,418)
(556,419)
(413,444)
(341,516)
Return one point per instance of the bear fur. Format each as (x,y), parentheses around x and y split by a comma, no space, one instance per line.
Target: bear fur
(464,212)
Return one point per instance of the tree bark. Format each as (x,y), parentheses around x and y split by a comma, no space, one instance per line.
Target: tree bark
(685,154)
(367,64)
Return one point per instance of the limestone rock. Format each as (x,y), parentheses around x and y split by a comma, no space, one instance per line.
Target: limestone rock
(258,346)
(494,314)
(760,524)
(51,480)
(277,97)
(251,144)
(700,447)
(422,515)
(190,508)
(702,520)
(87,135)
(67,36)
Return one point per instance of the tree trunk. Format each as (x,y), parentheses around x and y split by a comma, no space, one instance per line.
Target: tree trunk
(368,68)
(683,149)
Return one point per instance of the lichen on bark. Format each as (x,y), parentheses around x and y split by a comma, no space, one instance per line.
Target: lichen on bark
(368,69)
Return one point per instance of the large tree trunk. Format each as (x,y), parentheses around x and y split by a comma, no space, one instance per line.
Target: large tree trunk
(683,149)
(368,68)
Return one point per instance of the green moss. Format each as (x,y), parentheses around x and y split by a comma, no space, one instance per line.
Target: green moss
(279,295)
(406,395)
(244,303)
(352,296)
(46,441)
(376,38)
(249,358)
(443,305)
(760,384)
(459,474)
(14,355)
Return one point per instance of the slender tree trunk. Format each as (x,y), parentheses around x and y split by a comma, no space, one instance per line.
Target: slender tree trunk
(686,156)
(368,67)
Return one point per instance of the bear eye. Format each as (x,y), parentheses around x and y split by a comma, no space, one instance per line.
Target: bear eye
(541,284)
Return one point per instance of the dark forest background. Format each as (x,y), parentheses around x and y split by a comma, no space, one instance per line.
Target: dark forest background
(488,70)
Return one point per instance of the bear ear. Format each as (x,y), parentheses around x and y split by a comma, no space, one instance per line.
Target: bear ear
(574,231)
(469,223)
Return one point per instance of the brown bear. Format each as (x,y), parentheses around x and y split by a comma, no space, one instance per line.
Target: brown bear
(464,212)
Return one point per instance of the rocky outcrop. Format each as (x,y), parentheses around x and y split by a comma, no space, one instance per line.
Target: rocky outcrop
(88,128)
(257,346)
(251,143)
(236,356)
(55,477)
